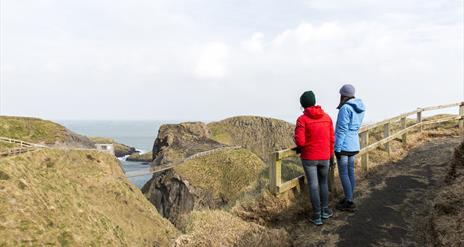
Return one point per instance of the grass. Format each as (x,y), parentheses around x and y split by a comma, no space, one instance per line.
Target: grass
(145,157)
(74,198)
(448,215)
(219,228)
(119,149)
(262,207)
(226,173)
(260,135)
(33,130)
(4,146)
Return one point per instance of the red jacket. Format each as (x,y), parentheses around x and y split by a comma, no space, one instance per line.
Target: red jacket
(314,134)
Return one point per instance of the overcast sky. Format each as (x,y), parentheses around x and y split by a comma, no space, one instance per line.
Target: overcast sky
(210,59)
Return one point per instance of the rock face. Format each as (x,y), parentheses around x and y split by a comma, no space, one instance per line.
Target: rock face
(75,198)
(36,130)
(211,181)
(260,135)
(216,179)
(176,142)
(171,195)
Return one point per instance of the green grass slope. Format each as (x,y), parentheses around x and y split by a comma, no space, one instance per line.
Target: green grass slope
(226,173)
(260,135)
(74,198)
(40,131)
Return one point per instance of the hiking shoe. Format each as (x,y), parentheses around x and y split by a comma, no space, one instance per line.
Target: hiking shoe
(340,203)
(316,220)
(346,206)
(326,213)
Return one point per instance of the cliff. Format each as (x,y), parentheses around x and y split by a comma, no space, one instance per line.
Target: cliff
(145,157)
(175,142)
(217,179)
(212,181)
(75,198)
(40,131)
(260,135)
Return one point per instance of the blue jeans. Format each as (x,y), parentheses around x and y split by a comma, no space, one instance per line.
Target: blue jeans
(347,176)
(317,172)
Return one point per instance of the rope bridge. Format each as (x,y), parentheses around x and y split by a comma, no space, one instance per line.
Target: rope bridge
(170,166)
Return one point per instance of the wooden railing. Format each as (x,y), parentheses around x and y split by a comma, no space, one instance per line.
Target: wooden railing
(16,151)
(277,186)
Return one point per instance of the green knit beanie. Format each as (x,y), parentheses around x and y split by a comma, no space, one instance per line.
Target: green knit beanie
(308,99)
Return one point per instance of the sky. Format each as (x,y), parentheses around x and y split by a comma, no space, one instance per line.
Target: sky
(208,60)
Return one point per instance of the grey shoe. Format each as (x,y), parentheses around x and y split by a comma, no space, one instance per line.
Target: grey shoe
(316,220)
(326,213)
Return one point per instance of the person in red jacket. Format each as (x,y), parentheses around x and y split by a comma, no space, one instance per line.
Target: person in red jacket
(314,137)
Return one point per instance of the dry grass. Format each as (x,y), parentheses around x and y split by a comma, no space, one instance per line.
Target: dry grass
(448,216)
(263,208)
(145,157)
(226,174)
(4,146)
(74,198)
(260,135)
(219,228)
(119,149)
(37,131)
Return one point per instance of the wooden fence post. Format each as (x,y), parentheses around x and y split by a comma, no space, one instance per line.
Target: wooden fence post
(332,176)
(275,177)
(461,120)
(419,118)
(364,157)
(386,134)
(405,135)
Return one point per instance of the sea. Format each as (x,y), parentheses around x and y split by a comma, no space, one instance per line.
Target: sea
(138,134)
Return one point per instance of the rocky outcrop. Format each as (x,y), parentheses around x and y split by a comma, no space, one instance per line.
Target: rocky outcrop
(207,182)
(176,142)
(260,135)
(217,179)
(138,157)
(171,195)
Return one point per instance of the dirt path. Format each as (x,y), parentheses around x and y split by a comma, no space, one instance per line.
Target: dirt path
(393,203)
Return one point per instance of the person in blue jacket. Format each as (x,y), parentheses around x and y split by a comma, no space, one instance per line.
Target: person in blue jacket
(349,121)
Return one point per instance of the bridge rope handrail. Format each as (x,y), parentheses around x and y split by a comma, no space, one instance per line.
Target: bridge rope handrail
(169,166)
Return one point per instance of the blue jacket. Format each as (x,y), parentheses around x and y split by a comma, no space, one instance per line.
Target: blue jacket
(349,120)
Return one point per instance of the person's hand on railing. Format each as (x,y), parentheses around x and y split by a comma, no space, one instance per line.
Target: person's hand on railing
(297,150)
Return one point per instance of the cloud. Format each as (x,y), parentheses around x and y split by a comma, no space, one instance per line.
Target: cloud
(221,59)
(212,61)
(255,43)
